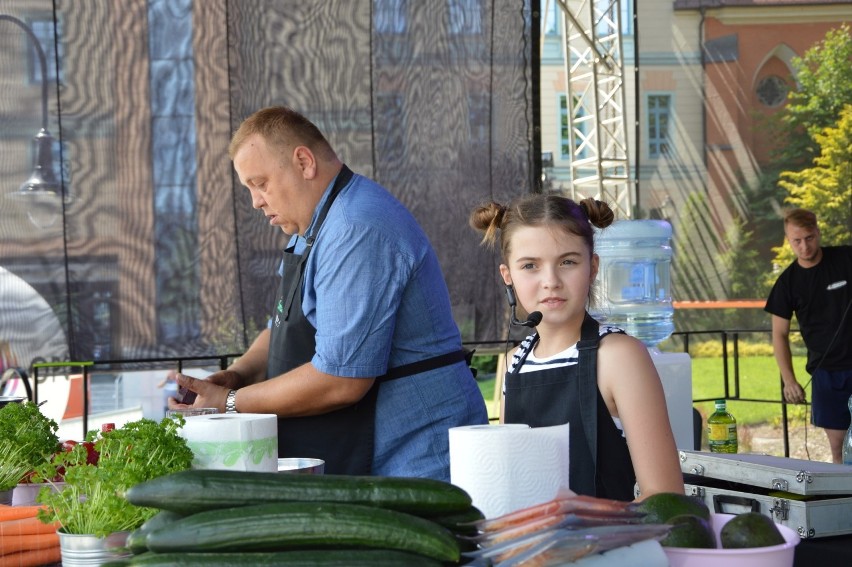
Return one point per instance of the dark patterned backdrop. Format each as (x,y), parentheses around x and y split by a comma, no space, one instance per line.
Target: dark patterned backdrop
(157,251)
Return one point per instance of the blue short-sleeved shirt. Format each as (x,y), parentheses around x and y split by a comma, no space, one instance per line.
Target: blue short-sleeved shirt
(375,293)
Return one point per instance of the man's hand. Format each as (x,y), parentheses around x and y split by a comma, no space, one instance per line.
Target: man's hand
(794,393)
(210,395)
(227,379)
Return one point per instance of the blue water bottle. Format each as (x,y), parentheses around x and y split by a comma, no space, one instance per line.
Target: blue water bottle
(634,279)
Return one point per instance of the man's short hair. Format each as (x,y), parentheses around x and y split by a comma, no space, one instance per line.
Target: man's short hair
(801,218)
(283,129)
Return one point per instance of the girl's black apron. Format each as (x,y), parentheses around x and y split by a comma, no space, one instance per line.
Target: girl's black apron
(342,438)
(599,463)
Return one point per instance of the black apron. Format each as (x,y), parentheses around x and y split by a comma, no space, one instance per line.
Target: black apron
(343,438)
(570,394)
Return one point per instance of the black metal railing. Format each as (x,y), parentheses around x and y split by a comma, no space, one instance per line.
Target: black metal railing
(730,341)
(88,366)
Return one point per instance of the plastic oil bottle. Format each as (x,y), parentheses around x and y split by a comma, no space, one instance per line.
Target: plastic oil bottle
(722,430)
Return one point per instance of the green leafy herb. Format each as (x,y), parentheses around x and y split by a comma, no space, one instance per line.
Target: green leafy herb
(27,440)
(92,500)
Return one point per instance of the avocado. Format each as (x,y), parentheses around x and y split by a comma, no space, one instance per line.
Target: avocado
(689,530)
(750,530)
(659,508)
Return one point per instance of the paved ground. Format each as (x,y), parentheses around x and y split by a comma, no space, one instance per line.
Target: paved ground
(810,444)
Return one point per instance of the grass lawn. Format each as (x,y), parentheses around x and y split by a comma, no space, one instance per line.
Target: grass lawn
(758,379)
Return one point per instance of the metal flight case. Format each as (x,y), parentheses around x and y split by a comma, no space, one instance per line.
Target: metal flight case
(813,498)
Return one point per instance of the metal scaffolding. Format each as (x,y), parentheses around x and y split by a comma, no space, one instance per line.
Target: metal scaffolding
(594,72)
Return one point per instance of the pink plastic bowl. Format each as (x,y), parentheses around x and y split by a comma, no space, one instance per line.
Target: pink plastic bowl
(771,556)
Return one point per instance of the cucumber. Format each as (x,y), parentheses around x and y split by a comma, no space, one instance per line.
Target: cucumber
(461,522)
(300,558)
(292,525)
(136,539)
(195,490)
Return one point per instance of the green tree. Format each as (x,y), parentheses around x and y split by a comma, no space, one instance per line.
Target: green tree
(825,188)
(824,79)
(734,273)
(742,263)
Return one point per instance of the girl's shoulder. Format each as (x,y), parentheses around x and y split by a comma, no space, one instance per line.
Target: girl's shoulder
(613,340)
(619,343)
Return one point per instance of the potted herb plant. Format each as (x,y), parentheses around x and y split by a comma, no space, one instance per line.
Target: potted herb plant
(92,507)
(27,441)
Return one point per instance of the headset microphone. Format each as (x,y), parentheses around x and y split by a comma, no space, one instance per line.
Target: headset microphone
(533,319)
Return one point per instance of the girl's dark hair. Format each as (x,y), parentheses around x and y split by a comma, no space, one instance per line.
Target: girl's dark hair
(540,210)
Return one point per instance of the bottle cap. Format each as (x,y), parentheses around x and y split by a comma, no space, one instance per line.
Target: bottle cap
(720,403)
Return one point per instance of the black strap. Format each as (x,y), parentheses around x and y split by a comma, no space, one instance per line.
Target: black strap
(342,179)
(423,365)
(587,349)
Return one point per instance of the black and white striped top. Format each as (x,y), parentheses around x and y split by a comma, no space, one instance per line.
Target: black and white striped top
(567,357)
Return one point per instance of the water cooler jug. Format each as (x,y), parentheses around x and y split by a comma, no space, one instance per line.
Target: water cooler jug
(634,293)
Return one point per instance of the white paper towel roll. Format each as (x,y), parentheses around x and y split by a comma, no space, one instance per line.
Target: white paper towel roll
(508,467)
(233,441)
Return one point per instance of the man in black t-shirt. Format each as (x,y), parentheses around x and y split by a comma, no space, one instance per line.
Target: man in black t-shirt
(817,287)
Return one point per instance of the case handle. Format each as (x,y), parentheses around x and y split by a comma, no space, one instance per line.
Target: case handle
(721,499)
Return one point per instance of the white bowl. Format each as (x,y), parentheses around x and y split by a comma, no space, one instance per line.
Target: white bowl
(25,493)
(10,400)
(301,466)
(780,555)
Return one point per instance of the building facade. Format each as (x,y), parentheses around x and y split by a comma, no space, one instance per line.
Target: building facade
(703,78)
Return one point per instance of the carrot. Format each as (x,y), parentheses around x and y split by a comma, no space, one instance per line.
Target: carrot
(27,526)
(32,557)
(577,503)
(18,512)
(14,544)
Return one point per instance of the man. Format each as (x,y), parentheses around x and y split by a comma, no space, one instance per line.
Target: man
(817,287)
(362,362)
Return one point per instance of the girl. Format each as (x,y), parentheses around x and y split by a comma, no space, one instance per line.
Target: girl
(572,369)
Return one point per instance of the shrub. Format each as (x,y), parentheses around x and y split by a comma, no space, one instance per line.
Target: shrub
(713,348)
(706,349)
(755,349)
